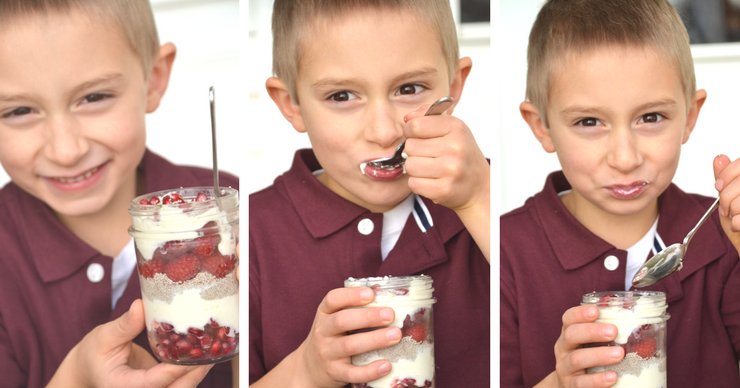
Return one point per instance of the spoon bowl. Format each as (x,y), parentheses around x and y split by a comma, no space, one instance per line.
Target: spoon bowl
(668,260)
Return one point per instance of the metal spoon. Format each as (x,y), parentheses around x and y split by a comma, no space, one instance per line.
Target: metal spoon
(399,157)
(216,188)
(669,259)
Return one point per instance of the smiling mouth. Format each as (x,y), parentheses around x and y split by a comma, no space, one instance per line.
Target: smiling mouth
(79,178)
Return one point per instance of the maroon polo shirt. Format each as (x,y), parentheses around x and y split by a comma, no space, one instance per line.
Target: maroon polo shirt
(548,260)
(47,303)
(304,241)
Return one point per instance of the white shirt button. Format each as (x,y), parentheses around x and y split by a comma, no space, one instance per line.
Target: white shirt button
(611,263)
(95,272)
(366,226)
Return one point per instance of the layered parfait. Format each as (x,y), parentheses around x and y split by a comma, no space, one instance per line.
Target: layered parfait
(186,257)
(640,318)
(412,359)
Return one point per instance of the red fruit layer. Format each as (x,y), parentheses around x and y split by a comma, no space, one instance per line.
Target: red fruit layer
(415,327)
(209,343)
(409,383)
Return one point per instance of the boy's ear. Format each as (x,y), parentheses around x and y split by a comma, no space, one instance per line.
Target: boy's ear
(159,78)
(459,76)
(696,103)
(532,116)
(280,94)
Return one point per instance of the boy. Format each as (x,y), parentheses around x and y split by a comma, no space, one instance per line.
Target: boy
(611,90)
(357,76)
(76,80)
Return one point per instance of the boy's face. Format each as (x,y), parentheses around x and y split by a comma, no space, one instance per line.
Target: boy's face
(358,76)
(618,117)
(72,103)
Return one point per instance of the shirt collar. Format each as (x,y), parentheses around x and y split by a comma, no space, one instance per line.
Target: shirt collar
(55,250)
(323,212)
(575,246)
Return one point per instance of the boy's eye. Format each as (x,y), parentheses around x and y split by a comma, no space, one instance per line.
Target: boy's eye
(410,89)
(652,118)
(21,111)
(588,122)
(95,97)
(342,96)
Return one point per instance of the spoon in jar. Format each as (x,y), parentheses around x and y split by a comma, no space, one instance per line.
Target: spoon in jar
(399,157)
(216,188)
(670,259)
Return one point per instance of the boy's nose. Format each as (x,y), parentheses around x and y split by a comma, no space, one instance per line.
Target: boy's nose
(65,144)
(623,153)
(384,125)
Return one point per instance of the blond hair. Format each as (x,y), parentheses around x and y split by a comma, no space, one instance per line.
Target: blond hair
(134,19)
(565,27)
(291,18)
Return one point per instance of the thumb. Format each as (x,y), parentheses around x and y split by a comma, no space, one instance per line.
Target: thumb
(418,112)
(720,163)
(126,327)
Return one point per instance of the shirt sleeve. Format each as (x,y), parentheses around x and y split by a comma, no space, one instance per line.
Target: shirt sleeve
(256,361)
(511,367)
(10,370)
(731,304)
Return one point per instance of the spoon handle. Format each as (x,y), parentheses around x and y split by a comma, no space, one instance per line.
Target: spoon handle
(212,100)
(701,221)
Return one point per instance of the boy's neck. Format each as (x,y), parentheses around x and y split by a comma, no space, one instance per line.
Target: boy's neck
(622,231)
(106,230)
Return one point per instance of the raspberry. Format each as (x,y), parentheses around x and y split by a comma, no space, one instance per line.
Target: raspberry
(183,268)
(218,265)
(645,348)
(151,267)
(417,332)
(206,246)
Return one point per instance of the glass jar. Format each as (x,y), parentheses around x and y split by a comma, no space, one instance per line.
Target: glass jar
(640,318)
(412,359)
(186,258)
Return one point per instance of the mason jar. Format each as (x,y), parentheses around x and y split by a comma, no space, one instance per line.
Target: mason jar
(640,318)
(412,359)
(185,242)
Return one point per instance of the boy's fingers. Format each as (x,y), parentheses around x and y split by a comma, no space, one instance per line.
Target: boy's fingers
(355,319)
(365,373)
(341,298)
(125,328)
(579,360)
(363,342)
(580,314)
(588,333)
(720,162)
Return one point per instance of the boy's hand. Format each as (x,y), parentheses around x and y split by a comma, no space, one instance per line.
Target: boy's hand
(445,165)
(107,357)
(727,175)
(325,354)
(572,358)
(444,162)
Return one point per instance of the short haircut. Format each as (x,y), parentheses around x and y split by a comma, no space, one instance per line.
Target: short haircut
(291,19)
(134,19)
(566,27)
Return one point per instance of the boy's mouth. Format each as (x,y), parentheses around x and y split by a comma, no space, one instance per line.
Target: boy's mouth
(385,173)
(80,181)
(629,191)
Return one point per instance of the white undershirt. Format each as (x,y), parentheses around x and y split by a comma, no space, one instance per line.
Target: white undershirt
(123,266)
(393,223)
(638,253)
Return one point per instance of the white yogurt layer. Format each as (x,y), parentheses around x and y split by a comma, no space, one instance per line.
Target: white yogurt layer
(188,309)
(153,232)
(420,368)
(628,319)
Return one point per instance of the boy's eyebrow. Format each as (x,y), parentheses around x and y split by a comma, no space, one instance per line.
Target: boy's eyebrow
(648,105)
(85,85)
(426,71)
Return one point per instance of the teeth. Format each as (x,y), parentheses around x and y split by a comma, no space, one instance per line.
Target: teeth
(78,178)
